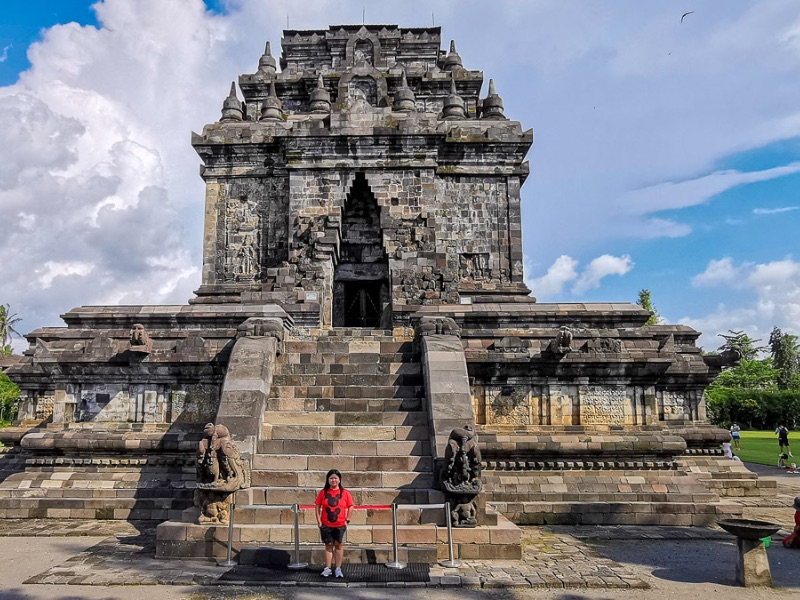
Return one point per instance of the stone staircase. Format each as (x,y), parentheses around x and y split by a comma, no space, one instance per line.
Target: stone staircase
(353,400)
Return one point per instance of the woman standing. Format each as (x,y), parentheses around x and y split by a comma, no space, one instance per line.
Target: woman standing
(334,507)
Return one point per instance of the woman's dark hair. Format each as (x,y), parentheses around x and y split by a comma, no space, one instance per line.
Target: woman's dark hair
(327,476)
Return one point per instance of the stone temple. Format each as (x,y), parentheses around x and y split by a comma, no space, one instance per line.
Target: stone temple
(362,297)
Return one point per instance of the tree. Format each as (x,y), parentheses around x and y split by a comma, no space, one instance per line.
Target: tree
(647,303)
(9,398)
(785,358)
(739,340)
(7,322)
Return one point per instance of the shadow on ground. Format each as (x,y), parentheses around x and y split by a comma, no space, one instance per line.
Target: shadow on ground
(699,560)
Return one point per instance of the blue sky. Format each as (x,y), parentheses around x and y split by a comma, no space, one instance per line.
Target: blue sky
(667,153)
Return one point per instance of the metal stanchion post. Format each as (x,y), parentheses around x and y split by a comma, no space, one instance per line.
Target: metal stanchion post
(452,562)
(229,560)
(297,564)
(395,564)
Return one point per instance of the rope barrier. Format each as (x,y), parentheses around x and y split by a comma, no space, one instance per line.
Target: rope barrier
(395,564)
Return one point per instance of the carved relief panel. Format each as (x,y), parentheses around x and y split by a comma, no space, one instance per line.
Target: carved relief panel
(508,405)
(602,405)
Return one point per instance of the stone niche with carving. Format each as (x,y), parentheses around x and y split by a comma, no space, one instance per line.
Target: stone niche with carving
(604,405)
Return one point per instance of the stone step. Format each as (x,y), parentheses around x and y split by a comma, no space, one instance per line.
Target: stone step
(344,346)
(283,554)
(345,447)
(345,379)
(289,403)
(344,418)
(344,463)
(345,432)
(366,496)
(348,391)
(378,479)
(383,368)
(684,514)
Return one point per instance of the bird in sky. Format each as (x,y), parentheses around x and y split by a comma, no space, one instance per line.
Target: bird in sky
(683,16)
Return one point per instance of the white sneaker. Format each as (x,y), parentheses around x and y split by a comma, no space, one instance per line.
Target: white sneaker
(326,572)
(339,572)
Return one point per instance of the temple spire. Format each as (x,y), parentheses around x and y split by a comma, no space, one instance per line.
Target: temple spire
(266,64)
(454,107)
(232,107)
(320,98)
(453,60)
(492,107)
(272,107)
(404,99)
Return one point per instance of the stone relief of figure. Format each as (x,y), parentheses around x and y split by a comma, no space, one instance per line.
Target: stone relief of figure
(139,339)
(220,473)
(247,258)
(460,476)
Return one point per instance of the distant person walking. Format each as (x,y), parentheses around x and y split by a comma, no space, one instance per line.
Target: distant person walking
(334,507)
(736,436)
(783,440)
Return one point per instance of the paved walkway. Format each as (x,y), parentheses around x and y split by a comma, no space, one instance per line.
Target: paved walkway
(126,557)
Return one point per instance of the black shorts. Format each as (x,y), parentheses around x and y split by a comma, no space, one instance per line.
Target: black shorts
(330,535)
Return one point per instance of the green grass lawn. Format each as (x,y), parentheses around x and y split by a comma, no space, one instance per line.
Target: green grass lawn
(761,447)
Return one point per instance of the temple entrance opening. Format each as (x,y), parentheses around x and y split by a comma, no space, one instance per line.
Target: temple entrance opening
(360,289)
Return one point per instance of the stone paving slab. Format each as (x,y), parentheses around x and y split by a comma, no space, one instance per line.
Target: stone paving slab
(552,559)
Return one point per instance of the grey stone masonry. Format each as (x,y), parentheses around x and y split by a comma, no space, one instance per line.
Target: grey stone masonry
(443,191)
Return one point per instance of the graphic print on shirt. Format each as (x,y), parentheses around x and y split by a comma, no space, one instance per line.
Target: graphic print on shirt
(331,502)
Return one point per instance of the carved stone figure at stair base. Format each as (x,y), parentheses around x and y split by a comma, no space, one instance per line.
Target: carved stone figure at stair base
(460,476)
(438,326)
(220,473)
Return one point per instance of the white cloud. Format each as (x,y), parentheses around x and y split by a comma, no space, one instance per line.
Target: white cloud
(601,267)
(561,272)
(4,56)
(670,195)
(564,271)
(53,269)
(774,299)
(720,272)
(774,211)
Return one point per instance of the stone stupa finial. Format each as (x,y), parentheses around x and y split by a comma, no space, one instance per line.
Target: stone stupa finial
(232,107)
(266,64)
(453,60)
(454,107)
(492,107)
(404,99)
(272,107)
(320,98)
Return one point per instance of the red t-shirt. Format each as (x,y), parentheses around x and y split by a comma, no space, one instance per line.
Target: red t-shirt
(334,506)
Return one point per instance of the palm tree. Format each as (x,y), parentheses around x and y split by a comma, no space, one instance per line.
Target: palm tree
(7,322)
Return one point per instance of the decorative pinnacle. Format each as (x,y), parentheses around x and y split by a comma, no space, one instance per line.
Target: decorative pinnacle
(266,63)
(492,107)
(320,98)
(231,107)
(404,99)
(454,107)
(453,60)
(272,107)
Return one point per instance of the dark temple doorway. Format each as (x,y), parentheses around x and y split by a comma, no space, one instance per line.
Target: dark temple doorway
(361,280)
